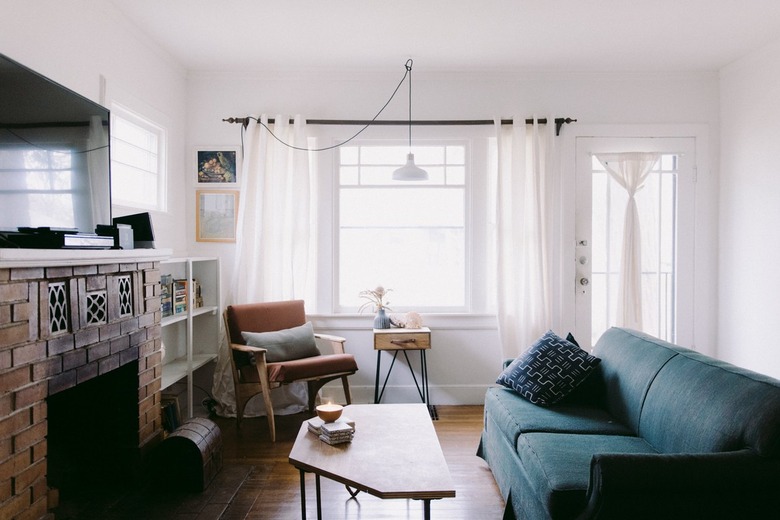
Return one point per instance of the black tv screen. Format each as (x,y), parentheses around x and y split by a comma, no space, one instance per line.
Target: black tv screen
(54,154)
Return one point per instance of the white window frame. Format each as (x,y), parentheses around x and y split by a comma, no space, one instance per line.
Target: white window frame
(160,204)
(477,141)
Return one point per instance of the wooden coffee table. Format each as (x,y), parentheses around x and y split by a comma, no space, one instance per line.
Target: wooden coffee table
(395,453)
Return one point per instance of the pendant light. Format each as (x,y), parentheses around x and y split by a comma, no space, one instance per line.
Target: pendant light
(410,171)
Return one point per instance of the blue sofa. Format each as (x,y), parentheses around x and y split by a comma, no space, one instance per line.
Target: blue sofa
(657,431)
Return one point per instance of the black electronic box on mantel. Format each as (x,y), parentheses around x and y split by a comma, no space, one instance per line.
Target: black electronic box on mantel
(55,177)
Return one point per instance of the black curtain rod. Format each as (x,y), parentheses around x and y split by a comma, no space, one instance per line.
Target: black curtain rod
(559,122)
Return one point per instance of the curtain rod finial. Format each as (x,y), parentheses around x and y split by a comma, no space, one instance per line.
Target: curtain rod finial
(243,120)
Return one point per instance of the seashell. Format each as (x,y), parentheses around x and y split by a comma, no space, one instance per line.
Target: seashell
(413,320)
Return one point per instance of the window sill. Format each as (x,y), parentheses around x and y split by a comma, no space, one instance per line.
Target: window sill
(436,321)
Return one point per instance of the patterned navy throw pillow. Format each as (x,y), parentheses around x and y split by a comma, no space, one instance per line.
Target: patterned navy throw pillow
(549,370)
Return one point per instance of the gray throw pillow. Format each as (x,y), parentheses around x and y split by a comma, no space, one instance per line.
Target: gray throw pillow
(284,345)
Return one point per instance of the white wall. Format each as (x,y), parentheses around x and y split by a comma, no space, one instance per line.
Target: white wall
(465,356)
(750,211)
(75,42)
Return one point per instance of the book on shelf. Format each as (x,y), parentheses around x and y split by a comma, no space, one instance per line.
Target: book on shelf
(166,295)
(180,294)
(197,293)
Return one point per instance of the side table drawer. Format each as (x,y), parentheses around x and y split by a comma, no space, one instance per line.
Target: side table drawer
(402,341)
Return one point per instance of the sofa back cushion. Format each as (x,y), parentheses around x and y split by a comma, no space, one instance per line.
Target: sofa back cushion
(629,362)
(698,404)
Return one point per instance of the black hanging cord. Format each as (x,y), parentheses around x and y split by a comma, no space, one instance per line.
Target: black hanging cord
(245,120)
(408,66)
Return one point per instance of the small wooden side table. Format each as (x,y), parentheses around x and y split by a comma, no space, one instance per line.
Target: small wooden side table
(403,340)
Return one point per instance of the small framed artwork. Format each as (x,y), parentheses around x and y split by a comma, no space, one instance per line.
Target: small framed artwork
(217,164)
(216,215)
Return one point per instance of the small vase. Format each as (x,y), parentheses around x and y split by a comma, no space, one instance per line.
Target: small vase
(382,320)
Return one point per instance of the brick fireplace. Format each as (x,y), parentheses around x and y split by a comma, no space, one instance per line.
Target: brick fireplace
(68,317)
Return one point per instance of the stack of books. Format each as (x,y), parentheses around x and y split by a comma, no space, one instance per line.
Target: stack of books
(332,433)
(336,433)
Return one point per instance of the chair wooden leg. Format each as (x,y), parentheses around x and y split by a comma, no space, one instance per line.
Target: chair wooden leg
(345,384)
(240,405)
(313,388)
(269,407)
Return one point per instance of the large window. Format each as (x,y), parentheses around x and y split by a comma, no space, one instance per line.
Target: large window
(137,160)
(411,237)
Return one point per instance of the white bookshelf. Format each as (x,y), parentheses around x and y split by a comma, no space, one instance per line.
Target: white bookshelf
(191,338)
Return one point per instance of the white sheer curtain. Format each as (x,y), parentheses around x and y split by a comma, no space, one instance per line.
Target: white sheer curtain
(630,170)
(274,255)
(526,176)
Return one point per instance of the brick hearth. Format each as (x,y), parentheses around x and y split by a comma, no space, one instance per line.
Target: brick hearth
(65,318)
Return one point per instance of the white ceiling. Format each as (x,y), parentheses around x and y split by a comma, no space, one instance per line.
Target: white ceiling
(456,35)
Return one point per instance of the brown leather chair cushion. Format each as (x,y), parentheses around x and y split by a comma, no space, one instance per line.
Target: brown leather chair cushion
(286,371)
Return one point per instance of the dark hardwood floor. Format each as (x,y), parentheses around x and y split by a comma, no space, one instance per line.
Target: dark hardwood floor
(257,481)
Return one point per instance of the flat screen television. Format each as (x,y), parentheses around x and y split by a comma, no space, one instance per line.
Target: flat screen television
(54,154)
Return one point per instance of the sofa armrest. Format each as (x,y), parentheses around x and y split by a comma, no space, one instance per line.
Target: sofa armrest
(708,485)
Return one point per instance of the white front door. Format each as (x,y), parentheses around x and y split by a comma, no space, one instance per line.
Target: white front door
(666,214)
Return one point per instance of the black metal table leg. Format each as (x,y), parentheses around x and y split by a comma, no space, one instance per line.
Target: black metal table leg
(303,494)
(376,382)
(319,501)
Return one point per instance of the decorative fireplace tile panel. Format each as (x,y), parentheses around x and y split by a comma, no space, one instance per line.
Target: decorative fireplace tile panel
(125,296)
(96,308)
(58,307)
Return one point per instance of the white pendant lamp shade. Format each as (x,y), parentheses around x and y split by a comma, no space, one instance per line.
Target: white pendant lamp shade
(410,171)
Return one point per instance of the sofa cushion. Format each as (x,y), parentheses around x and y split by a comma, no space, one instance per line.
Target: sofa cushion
(629,362)
(514,416)
(549,370)
(697,404)
(283,345)
(557,466)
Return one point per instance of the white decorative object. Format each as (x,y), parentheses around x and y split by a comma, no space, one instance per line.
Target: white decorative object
(413,320)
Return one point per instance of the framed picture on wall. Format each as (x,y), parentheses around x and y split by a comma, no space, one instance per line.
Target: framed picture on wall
(216,215)
(217,165)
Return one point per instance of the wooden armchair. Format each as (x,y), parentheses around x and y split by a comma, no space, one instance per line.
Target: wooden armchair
(251,378)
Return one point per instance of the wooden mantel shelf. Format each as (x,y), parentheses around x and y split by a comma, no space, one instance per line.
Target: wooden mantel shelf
(67,257)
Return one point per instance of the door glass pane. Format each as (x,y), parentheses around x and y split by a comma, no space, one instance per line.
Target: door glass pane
(657,207)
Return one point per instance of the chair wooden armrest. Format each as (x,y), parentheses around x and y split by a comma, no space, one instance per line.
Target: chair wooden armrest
(248,348)
(336,342)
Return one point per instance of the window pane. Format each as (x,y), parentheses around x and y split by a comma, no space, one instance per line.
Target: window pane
(348,154)
(456,154)
(349,175)
(423,267)
(401,208)
(456,175)
(137,146)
